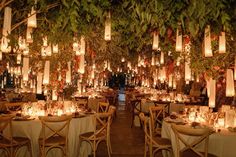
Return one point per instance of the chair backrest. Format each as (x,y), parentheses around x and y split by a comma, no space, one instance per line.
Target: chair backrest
(148,130)
(157,113)
(112,110)
(136,105)
(197,135)
(55,126)
(102,107)
(13,107)
(5,123)
(102,123)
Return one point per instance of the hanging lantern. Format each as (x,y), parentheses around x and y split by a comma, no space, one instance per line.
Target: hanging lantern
(82,45)
(107,35)
(207,42)
(174,83)
(230,92)
(178,46)
(81,64)
(155,43)
(55,48)
(92,74)
(123,59)
(170,82)
(0,55)
(6,29)
(4,45)
(54,94)
(32,19)
(45,41)
(187,70)
(153,60)
(68,73)
(18,58)
(129,65)
(49,50)
(208,85)
(43,51)
(46,73)
(39,83)
(178,61)
(26,51)
(162,75)
(109,65)
(222,43)
(162,58)
(212,97)
(29,32)
(235,68)
(25,69)
(21,43)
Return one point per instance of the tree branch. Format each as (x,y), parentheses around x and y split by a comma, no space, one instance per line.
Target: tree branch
(25,20)
(4,3)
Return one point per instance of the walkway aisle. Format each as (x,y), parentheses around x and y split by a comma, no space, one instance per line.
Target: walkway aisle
(125,141)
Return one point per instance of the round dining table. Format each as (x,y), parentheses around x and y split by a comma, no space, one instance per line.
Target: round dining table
(221,143)
(32,128)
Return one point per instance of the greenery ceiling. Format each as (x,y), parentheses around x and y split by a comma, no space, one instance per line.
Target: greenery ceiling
(133,25)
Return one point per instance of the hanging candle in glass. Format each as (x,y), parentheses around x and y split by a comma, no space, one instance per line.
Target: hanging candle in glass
(222,43)
(46,73)
(230,92)
(187,70)
(82,45)
(29,32)
(39,83)
(162,58)
(107,35)
(25,69)
(68,73)
(207,42)
(212,97)
(155,43)
(55,48)
(178,46)
(32,19)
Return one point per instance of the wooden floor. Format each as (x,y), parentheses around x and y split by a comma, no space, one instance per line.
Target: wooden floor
(125,141)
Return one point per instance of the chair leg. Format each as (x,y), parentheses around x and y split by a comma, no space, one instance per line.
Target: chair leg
(30,149)
(94,149)
(108,149)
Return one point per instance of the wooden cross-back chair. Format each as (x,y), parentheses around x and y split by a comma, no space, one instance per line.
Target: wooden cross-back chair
(198,135)
(8,143)
(157,113)
(100,133)
(14,107)
(165,104)
(54,134)
(102,107)
(136,109)
(153,144)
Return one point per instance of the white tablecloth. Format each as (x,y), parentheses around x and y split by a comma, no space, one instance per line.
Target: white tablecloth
(32,128)
(221,144)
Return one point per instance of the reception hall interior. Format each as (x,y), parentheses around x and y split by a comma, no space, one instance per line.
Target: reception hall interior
(117,78)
